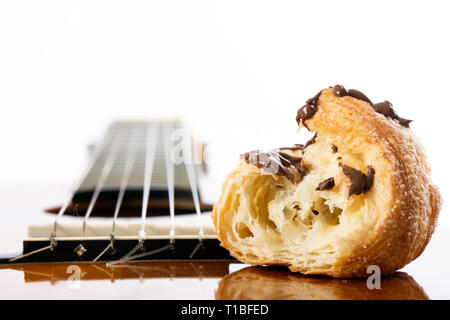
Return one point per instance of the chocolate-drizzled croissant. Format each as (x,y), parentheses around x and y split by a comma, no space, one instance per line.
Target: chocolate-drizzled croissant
(358,194)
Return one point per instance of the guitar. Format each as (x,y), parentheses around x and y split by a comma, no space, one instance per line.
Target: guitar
(137,198)
(135,226)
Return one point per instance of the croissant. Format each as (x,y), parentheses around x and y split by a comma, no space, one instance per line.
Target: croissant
(357,194)
(259,283)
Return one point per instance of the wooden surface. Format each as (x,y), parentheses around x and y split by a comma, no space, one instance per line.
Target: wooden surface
(424,278)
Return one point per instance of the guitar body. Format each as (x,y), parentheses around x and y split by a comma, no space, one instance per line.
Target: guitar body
(78,279)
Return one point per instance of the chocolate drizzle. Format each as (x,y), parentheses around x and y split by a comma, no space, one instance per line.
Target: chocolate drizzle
(384,108)
(276,162)
(308,110)
(326,184)
(340,91)
(359,95)
(359,182)
(310,141)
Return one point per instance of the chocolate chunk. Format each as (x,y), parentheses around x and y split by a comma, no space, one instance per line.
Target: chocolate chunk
(339,91)
(385,108)
(313,101)
(294,161)
(308,110)
(370,178)
(278,163)
(334,148)
(359,182)
(310,141)
(326,184)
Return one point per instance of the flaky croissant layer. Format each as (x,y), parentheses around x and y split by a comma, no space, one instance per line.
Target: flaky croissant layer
(358,194)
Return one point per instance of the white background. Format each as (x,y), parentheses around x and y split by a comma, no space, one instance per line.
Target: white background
(235,71)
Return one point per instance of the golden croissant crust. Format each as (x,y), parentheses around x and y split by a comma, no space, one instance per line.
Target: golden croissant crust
(358,194)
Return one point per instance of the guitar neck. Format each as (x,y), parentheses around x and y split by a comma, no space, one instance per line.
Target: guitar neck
(119,163)
(140,170)
(130,141)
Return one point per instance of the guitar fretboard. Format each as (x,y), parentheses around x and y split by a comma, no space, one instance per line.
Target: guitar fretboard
(120,142)
(140,160)
(117,172)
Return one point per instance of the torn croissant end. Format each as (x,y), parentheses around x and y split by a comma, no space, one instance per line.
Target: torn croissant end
(382,211)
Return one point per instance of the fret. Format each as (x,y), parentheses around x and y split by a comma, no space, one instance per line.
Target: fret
(159,179)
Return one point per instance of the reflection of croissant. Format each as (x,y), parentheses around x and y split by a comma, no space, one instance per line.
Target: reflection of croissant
(263,284)
(357,194)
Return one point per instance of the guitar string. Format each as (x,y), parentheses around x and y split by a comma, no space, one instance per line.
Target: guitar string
(76,186)
(150,146)
(128,167)
(152,140)
(149,162)
(170,178)
(188,159)
(129,164)
(104,174)
(72,191)
(144,254)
